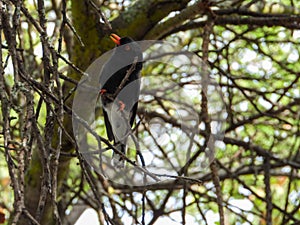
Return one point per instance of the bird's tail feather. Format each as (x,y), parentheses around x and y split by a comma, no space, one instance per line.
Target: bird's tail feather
(117,159)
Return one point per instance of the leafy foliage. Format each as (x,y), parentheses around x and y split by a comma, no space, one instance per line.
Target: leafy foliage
(251,50)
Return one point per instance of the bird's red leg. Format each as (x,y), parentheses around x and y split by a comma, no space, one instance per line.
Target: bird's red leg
(103,91)
(122,106)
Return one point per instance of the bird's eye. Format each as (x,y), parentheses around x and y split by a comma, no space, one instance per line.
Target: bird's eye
(127,48)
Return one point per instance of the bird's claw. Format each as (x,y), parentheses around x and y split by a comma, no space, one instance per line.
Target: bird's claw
(103,91)
(122,106)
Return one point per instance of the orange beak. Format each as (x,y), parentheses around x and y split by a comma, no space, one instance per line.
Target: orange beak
(115,38)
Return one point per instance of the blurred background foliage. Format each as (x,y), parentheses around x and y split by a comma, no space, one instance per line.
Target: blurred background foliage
(252,52)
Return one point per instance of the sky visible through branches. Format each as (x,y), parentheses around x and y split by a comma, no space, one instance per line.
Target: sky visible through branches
(218,121)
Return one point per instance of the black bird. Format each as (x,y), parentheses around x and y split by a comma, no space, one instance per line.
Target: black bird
(119,95)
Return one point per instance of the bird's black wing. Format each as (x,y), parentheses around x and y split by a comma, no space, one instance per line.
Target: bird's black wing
(108,126)
(106,75)
(133,113)
(111,77)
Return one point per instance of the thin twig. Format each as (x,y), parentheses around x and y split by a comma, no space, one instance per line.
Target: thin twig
(209,139)
(75,32)
(267,169)
(133,163)
(101,15)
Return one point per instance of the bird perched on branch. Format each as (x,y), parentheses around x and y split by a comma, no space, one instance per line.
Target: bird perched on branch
(120,89)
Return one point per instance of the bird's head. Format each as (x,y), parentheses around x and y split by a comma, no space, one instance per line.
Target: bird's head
(120,41)
(127,46)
